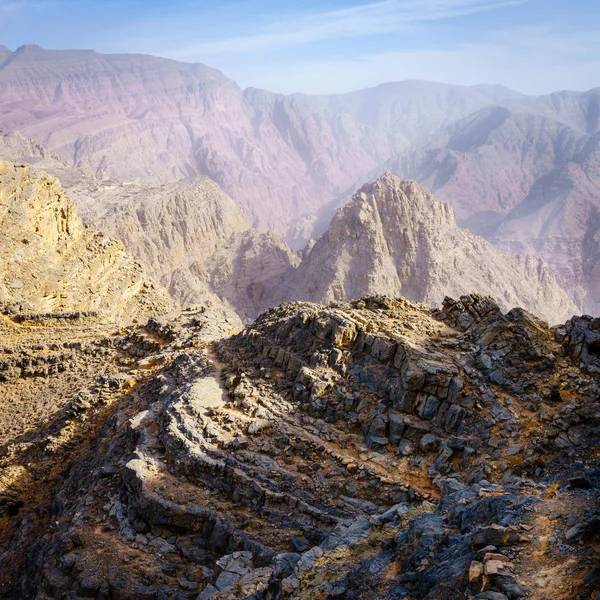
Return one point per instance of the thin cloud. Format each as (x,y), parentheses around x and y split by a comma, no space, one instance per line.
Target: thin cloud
(575,64)
(387,16)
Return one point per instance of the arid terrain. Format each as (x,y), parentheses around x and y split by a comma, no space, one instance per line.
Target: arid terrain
(373,449)
(257,346)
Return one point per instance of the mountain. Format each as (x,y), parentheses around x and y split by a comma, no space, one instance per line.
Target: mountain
(524,175)
(395,238)
(280,157)
(484,165)
(51,262)
(192,238)
(559,220)
(372,449)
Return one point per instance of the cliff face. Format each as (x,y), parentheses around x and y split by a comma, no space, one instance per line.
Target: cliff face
(193,239)
(280,157)
(394,237)
(51,262)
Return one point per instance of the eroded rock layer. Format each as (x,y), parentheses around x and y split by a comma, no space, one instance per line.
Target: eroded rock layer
(372,449)
(51,262)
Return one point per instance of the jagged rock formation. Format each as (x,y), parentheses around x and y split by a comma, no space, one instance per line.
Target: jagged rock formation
(369,449)
(193,239)
(281,158)
(51,262)
(395,238)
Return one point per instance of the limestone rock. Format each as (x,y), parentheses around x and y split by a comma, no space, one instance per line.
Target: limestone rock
(51,262)
(395,238)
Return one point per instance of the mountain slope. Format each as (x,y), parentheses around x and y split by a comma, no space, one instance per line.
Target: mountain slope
(192,238)
(372,449)
(484,165)
(281,158)
(559,220)
(395,238)
(51,262)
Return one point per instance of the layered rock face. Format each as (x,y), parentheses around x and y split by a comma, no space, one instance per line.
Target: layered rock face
(368,449)
(51,262)
(395,238)
(193,239)
(559,221)
(524,176)
(281,158)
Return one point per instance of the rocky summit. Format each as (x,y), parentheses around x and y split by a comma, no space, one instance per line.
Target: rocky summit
(395,237)
(376,448)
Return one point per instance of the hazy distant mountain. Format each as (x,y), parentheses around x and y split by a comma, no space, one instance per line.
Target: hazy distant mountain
(485,164)
(281,158)
(525,176)
(559,220)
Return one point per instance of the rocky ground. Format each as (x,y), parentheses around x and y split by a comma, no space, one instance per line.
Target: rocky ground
(372,449)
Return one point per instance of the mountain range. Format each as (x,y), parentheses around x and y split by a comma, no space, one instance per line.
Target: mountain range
(160,154)
(231,369)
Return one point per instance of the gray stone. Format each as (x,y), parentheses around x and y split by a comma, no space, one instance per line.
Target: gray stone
(428,442)
(428,407)
(396,427)
(405,447)
(207,593)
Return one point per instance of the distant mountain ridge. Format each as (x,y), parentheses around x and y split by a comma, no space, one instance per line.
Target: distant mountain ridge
(526,177)
(281,157)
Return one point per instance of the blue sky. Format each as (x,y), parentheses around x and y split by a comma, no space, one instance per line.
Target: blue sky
(534,46)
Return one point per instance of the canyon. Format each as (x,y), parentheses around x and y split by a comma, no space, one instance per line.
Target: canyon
(268,347)
(291,161)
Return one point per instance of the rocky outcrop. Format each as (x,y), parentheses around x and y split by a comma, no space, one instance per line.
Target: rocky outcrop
(374,448)
(395,238)
(51,262)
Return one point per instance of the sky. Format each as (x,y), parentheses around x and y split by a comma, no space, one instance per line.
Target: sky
(332,46)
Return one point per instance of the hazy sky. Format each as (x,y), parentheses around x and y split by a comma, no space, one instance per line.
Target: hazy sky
(534,46)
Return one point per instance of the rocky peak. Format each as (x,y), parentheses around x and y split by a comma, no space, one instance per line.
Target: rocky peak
(404,201)
(394,237)
(51,262)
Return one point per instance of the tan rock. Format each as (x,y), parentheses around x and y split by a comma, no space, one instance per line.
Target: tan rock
(395,238)
(51,262)
(475,571)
